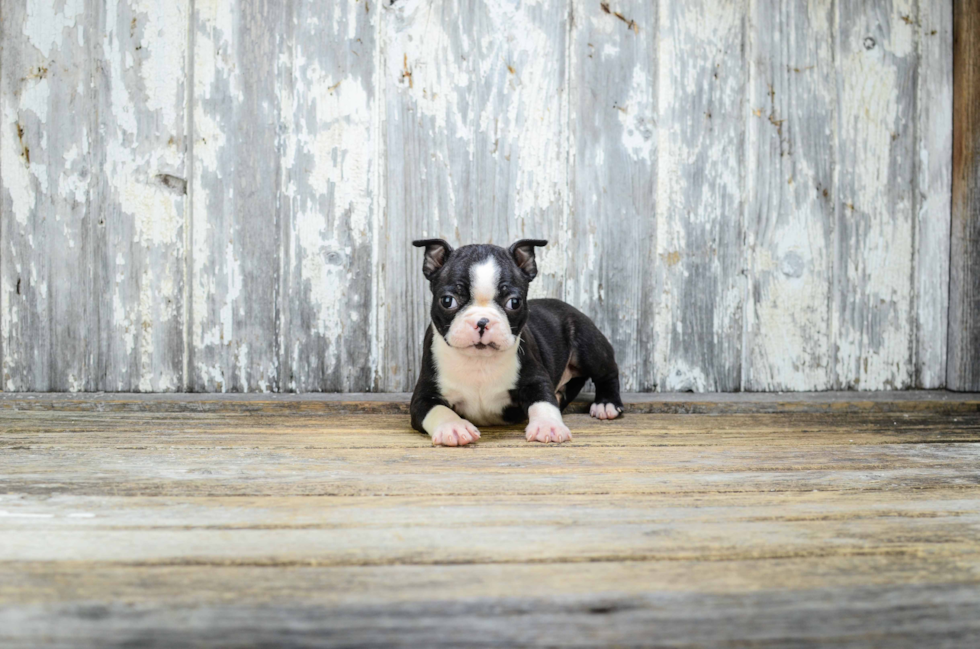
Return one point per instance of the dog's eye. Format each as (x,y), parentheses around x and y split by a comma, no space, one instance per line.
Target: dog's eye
(514,303)
(448,302)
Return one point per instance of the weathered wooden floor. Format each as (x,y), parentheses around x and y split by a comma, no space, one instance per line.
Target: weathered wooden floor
(187,521)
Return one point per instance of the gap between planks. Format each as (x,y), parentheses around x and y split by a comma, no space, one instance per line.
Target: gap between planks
(936,401)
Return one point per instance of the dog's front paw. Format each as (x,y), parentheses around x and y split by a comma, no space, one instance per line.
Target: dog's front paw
(455,433)
(605,410)
(547,430)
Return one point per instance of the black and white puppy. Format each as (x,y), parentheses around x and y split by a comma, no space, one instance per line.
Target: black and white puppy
(494,357)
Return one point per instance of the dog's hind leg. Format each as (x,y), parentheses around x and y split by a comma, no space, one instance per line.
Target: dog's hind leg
(608,404)
(597,361)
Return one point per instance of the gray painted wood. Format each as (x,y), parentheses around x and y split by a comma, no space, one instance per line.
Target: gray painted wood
(328,195)
(697,312)
(612,178)
(873,306)
(963,369)
(790,186)
(142,183)
(93,111)
(50,330)
(934,121)
(235,231)
(684,201)
(475,152)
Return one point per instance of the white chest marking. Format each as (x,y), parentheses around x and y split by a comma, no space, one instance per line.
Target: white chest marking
(476,386)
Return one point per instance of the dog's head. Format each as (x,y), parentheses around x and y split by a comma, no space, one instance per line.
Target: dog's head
(479,292)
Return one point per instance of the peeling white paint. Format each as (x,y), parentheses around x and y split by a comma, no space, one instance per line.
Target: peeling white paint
(479,117)
(636,115)
(340,143)
(233,292)
(45,27)
(73,182)
(35,99)
(164,43)
(551,262)
(241,358)
(682,377)
(322,270)
(153,210)
(423,70)
(874,337)
(789,217)
(17,177)
(699,193)
(123,108)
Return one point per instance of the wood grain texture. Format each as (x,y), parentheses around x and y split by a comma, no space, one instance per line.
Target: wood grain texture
(934,135)
(239,526)
(355,531)
(236,246)
(143,186)
(700,139)
(47,312)
(873,302)
(93,112)
(675,155)
(790,189)
(909,401)
(475,94)
(896,616)
(612,130)
(963,363)
(328,196)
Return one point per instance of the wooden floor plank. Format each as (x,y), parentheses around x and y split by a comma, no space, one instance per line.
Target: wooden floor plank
(180,472)
(945,615)
(432,531)
(393,430)
(234,526)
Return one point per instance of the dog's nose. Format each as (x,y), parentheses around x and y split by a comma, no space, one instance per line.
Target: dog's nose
(482,324)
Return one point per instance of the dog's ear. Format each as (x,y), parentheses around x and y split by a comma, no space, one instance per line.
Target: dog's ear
(523,253)
(437,252)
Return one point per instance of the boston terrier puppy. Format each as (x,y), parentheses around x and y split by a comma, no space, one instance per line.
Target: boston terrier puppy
(491,356)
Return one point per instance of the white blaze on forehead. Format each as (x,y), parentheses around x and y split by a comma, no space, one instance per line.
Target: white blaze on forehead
(483,281)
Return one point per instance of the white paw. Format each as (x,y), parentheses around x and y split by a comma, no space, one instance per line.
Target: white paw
(547,430)
(604,411)
(455,433)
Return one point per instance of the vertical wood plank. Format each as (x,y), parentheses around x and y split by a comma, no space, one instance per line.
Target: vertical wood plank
(235,230)
(963,361)
(50,158)
(612,121)
(475,145)
(934,128)
(329,206)
(697,312)
(295,283)
(790,196)
(93,166)
(142,186)
(873,307)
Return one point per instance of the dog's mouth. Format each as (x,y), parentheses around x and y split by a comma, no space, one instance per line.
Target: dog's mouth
(486,346)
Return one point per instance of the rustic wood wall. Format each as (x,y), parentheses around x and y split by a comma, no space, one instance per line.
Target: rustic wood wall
(220,196)
(964,272)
